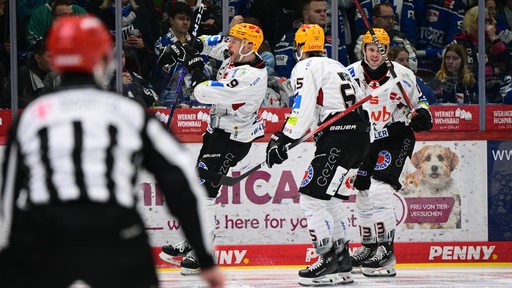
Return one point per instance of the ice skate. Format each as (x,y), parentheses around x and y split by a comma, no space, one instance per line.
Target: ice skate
(362,254)
(190,265)
(324,272)
(174,253)
(343,257)
(382,264)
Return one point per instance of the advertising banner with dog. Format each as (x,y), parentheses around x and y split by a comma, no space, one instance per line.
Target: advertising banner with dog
(441,186)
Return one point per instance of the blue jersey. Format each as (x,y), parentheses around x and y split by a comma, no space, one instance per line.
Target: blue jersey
(405,20)
(236,7)
(436,29)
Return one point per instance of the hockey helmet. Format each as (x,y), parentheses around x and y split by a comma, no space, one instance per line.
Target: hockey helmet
(381,34)
(78,43)
(310,37)
(249,33)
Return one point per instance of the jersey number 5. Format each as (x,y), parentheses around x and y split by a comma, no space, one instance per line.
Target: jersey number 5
(348,94)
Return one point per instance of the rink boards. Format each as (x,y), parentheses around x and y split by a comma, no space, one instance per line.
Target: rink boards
(259,221)
(440,254)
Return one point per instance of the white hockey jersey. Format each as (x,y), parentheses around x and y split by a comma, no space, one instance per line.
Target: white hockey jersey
(389,106)
(322,86)
(236,95)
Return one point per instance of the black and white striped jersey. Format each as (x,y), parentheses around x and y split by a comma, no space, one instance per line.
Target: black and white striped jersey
(86,146)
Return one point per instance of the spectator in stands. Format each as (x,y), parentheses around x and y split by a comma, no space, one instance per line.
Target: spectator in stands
(137,30)
(497,55)
(383,17)
(236,7)
(435,30)
(31,76)
(504,33)
(134,85)
(24,10)
(43,16)
(403,17)
(454,82)
(276,17)
(4,77)
(400,55)
(154,15)
(345,29)
(504,15)
(4,36)
(313,12)
(167,75)
(210,21)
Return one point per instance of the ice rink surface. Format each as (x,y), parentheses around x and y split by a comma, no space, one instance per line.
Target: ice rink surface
(422,276)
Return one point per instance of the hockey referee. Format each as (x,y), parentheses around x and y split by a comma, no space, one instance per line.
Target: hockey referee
(68,197)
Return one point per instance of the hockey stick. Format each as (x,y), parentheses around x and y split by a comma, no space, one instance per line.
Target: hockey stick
(384,55)
(183,69)
(230,181)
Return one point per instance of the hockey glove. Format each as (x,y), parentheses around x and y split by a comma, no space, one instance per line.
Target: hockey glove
(198,77)
(317,136)
(177,51)
(171,54)
(277,152)
(422,121)
(196,44)
(193,63)
(166,60)
(505,36)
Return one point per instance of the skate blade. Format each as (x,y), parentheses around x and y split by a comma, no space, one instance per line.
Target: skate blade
(357,270)
(379,272)
(188,271)
(327,280)
(174,260)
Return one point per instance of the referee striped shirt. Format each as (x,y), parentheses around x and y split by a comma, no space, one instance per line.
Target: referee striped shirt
(86,146)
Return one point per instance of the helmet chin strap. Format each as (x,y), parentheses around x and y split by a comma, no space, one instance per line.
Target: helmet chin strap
(241,57)
(298,54)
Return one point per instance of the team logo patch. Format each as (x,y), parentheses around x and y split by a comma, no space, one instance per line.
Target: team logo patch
(351,71)
(349,182)
(297,101)
(383,160)
(203,166)
(308,175)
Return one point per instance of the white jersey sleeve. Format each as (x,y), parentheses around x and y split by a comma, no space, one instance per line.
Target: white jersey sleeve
(214,46)
(322,87)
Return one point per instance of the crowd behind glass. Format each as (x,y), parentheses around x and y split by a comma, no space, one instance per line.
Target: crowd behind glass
(437,39)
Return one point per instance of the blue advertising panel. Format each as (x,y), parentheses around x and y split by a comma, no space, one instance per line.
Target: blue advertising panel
(499,159)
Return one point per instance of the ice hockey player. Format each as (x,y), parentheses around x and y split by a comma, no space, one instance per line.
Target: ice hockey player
(323,88)
(392,142)
(235,97)
(68,198)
